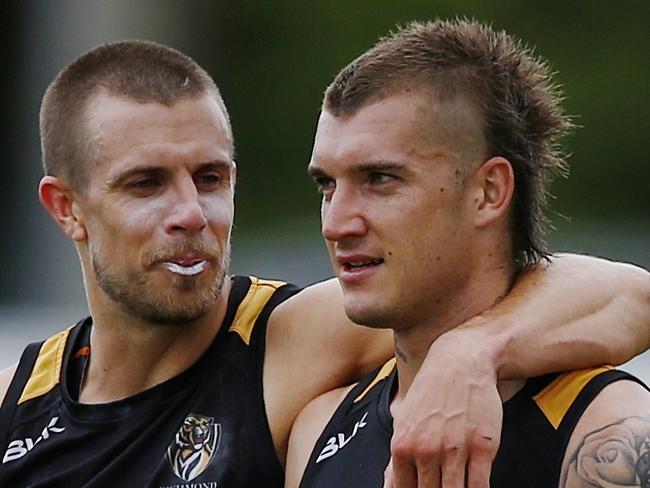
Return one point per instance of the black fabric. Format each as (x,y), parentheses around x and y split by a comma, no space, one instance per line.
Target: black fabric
(9,404)
(125,443)
(532,451)
(530,454)
(354,448)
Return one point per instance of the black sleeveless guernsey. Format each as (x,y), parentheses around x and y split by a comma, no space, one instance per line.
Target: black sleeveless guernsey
(354,448)
(205,428)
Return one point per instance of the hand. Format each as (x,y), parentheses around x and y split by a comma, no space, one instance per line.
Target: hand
(448,428)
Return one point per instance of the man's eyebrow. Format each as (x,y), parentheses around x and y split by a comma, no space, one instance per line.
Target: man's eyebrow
(377,166)
(143,170)
(217,164)
(367,167)
(157,170)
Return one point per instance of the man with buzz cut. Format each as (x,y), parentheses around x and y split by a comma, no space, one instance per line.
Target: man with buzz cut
(431,153)
(185,376)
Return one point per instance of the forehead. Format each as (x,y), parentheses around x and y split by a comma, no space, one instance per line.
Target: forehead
(119,129)
(400,127)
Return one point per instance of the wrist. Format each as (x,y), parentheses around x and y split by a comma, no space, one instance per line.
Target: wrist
(484,348)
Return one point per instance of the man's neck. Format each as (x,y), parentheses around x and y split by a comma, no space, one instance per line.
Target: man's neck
(412,344)
(129,355)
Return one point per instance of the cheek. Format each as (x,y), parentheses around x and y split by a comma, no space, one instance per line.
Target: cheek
(330,249)
(431,241)
(323,212)
(220,215)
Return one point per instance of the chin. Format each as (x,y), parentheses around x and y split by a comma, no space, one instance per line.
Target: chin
(367,314)
(185,304)
(172,317)
(184,300)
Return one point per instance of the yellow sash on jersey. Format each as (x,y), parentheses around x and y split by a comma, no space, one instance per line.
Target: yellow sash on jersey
(556,399)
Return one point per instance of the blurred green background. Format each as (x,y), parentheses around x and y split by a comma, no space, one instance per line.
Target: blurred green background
(272,61)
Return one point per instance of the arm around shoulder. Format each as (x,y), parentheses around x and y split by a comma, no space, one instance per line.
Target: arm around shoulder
(571,313)
(614,300)
(610,445)
(322,335)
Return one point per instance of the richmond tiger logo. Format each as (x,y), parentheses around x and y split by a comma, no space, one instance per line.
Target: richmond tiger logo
(194,446)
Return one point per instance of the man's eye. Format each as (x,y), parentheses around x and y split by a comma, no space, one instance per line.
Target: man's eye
(144,183)
(325,185)
(209,178)
(380,178)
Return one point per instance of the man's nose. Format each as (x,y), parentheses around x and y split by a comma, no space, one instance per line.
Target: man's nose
(188,214)
(342,215)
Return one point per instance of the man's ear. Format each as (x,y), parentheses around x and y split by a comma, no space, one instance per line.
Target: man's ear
(496,186)
(60,202)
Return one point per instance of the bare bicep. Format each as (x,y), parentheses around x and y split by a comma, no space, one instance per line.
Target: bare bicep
(611,443)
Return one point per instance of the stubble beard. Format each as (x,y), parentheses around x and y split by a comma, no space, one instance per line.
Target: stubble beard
(374,316)
(184,301)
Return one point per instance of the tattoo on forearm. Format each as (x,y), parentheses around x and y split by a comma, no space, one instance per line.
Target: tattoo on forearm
(617,455)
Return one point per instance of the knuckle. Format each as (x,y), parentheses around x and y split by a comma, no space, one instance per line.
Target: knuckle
(400,448)
(426,450)
(485,443)
(451,444)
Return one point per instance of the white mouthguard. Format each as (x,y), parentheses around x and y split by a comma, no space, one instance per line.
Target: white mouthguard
(185,270)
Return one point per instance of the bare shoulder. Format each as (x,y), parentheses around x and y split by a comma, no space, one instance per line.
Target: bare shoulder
(315,321)
(6,375)
(610,445)
(307,429)
(323,297)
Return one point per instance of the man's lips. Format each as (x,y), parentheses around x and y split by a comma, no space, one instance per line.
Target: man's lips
(357,262)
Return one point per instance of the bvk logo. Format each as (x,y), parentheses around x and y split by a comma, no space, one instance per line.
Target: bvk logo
(20,447)
(194,446)
(339,441)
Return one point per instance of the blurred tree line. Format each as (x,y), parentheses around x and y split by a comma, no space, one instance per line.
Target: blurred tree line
(273,60)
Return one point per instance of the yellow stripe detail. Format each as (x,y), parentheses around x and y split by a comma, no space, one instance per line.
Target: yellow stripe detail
(385,370)
(556,399)
(259,293)
(46,373)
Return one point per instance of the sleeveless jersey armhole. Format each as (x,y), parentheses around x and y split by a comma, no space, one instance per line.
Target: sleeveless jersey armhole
(356,395)
(21,376)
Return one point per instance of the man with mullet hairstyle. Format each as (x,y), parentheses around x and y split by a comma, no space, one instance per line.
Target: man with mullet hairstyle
(184,375)
(431,152)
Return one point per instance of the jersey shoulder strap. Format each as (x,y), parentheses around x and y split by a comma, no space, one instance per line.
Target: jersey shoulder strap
(564,400)
(261,298)
(540,419)
(358,396)
(38,372)
(16,387)
(250,308)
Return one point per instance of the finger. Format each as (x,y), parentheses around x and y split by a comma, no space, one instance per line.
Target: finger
(479,466)
(429,477)
(388,475)
(453,467)
(404,473)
